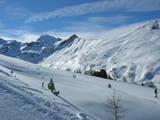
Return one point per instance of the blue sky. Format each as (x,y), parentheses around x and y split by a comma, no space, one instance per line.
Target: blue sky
(25,20)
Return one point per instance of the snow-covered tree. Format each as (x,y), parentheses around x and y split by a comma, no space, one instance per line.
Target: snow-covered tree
(114,106)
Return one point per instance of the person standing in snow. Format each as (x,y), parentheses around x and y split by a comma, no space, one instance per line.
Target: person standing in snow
(74,75)
(156,92)
(43,84)
(51,85)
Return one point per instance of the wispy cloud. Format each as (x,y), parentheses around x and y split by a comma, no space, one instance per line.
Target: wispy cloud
(99,6)
(18,34)
(85,26)
(111,20)
(97,24)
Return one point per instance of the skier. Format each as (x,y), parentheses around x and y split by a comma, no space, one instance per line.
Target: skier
(74,75)
(155,91)
(43,84)
(52,87)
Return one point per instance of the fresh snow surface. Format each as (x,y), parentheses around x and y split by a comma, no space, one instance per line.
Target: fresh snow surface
(129,53)
(81,98)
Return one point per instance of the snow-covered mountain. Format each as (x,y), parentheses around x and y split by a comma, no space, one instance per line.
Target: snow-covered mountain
(33,51)
(129,53)
(47,39)
(83,97)
(2,41)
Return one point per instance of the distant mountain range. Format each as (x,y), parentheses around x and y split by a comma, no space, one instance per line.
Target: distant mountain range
(129,53)
(36,51)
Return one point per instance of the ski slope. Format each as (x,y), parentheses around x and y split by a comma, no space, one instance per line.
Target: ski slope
(81,98)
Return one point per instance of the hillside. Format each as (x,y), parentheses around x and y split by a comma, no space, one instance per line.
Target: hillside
(83,97)
(128,53)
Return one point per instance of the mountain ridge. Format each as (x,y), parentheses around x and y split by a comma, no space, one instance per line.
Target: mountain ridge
(132,57)
(34,51)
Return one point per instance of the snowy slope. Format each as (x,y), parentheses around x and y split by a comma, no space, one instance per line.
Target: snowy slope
(23,98)
(129,53)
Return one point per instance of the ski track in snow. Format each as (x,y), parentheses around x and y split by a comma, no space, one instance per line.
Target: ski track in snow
(49,110)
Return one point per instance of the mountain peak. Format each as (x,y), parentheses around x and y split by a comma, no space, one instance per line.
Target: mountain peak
(74,36)
(2,41)
(47,39)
